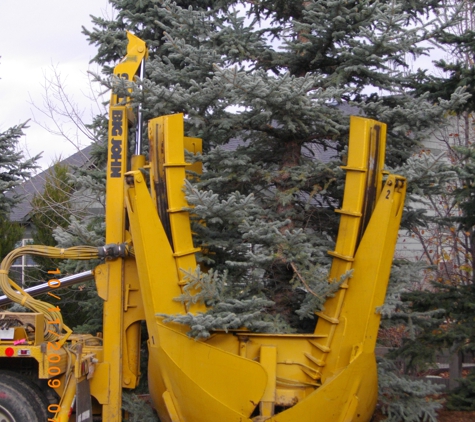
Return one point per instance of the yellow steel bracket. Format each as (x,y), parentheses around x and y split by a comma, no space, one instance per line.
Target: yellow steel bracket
(348,326)
(128,67)
(345,336)
(114,289)
(184,374)
(366,152)
(167,176)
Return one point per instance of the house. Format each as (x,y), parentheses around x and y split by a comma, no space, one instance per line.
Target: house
(21,213)
(442,243)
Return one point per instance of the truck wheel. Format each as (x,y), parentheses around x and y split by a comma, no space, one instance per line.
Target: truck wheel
(39,397)
(19,402)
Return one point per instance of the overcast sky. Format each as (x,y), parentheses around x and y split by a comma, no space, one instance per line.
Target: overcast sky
(35,36)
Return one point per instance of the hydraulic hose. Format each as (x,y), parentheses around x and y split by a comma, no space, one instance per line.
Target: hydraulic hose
(53,319)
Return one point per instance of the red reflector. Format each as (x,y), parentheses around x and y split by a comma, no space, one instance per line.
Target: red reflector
(9,352)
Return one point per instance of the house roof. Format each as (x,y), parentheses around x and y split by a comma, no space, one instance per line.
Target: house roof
(35,185)
(81,159)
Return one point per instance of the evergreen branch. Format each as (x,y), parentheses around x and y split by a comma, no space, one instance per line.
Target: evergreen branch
(303,281)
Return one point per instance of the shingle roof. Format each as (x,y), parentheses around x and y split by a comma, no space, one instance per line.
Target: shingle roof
(36,184)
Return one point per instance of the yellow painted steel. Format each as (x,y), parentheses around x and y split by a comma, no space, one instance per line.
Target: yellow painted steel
(167,145)
(362,186)
(133,313)
(113,316)
(268,359)
(66,399)
(326,376)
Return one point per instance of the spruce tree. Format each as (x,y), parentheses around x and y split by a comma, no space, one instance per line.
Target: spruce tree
(403,399)
(268,87)
(14,167)
(442,314)
(463,397)
(277,78)
(51,208)
(10,234)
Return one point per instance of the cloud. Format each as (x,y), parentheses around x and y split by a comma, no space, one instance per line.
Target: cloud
(34,37)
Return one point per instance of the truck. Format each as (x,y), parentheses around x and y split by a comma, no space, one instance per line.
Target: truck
(49,373)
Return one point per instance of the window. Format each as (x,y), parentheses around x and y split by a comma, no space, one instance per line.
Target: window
(18,270)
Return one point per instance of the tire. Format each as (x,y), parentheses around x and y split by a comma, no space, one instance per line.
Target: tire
(21,400)
(40,396)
